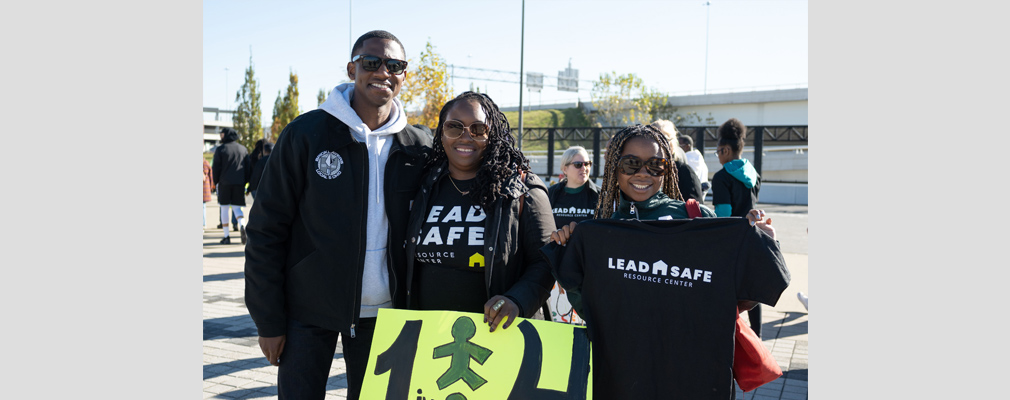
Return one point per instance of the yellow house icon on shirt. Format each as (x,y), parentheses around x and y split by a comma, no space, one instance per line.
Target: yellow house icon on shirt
(477,260)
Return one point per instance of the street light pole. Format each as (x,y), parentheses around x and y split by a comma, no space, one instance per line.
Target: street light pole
(225,88)
(349,34)
(707,8)
(522,32)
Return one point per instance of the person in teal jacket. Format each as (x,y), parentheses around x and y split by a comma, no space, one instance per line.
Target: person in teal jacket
(735,187)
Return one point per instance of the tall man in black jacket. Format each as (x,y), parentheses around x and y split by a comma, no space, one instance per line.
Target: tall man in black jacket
(327,229)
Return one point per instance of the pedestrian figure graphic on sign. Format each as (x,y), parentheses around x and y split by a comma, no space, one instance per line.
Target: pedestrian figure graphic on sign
(462,350)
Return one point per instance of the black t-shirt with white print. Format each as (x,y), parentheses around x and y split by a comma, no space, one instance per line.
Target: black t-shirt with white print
(577,207)
(660,297)
(449,261)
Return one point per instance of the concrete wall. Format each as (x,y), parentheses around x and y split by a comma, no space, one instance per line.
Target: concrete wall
(778,113)
(783,193)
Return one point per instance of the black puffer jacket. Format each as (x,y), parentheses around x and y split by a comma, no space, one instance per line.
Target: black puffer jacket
(231,161)
(306,234)
(511,243)
(257,173)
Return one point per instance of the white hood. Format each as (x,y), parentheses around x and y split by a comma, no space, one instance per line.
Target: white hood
(338,104)
(375,280)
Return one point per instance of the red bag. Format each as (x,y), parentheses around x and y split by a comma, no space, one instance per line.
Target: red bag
(753,364)
(693,209)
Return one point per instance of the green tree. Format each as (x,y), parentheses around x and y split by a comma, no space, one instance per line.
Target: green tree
(320,97)
(286,106)
(247,120)
(618,99)
(624,99)
(427,88)
(657,105)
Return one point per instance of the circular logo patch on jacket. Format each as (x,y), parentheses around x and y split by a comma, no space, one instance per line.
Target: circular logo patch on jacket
(328,164)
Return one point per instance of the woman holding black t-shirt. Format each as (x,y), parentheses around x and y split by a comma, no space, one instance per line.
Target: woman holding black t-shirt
(574,198)
(640,183)
(479,220)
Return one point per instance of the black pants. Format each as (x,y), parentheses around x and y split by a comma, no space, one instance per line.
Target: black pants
(754,315)
(308,353)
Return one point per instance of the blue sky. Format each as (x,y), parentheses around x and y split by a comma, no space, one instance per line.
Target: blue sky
(750,43)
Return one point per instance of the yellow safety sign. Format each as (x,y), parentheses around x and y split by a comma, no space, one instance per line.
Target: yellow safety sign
(448,355)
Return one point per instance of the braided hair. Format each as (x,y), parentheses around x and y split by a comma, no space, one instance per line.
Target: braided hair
(731,133)
(610,190)
(501,158)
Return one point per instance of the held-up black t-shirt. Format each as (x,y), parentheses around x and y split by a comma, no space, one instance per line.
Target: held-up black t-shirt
(450,264)
(660,297)
(575,207)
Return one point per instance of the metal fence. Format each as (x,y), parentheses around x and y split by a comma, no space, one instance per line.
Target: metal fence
(549,141)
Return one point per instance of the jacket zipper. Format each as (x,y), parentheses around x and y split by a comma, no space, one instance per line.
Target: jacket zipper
(364,221)
(633,211)
(389,234)
(489,260)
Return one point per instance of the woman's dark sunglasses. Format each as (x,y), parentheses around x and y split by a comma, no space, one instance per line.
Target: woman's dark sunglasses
(453,129)
(630,165)
(579,164)
(372,63)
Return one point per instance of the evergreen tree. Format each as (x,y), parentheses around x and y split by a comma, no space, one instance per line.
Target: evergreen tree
(286,107)
(321,97)
(247,120)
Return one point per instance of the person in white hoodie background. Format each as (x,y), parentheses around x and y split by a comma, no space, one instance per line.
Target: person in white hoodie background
(326,232)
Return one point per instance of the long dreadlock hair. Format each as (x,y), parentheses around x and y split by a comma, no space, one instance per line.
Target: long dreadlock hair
(501,157)
(610,190)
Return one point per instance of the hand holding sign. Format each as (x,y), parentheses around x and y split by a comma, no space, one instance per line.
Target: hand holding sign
(499,308)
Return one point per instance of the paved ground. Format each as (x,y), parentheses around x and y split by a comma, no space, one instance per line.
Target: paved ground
(234,367)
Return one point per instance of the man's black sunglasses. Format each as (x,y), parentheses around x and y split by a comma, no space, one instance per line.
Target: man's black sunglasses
(630,165)
(372,63)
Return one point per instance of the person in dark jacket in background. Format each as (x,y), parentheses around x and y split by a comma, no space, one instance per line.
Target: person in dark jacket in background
(735,187)
(257,171)
(326,237)
(257,152)
(479,221)
(572,200)
(231,173)
(687,179)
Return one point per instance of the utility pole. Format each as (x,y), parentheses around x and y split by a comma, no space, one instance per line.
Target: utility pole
(707,8)
(522,32)
(349,34)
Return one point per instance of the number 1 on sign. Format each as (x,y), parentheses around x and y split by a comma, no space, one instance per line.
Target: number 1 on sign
(398,360)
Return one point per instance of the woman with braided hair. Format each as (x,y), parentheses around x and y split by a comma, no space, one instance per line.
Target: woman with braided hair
(621,274)
(479,220)
(638,183)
